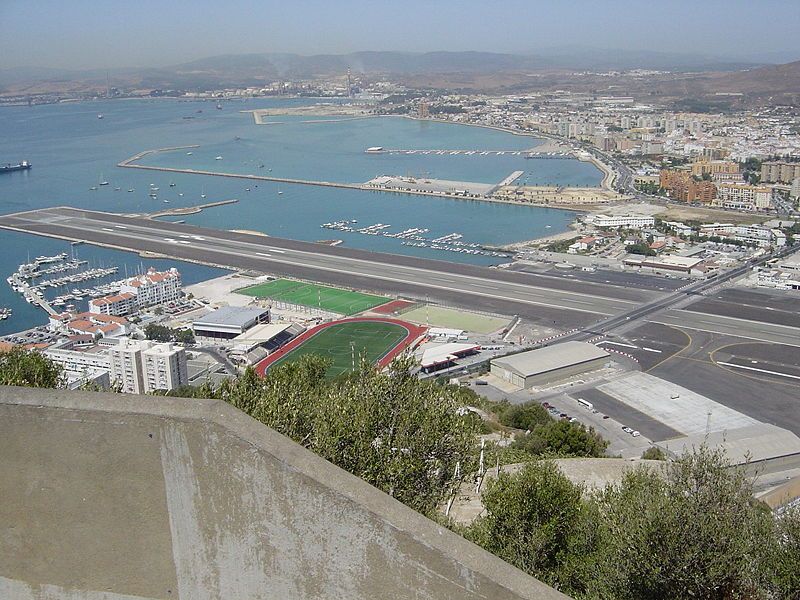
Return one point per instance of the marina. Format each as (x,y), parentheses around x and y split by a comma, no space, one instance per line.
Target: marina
(414,237)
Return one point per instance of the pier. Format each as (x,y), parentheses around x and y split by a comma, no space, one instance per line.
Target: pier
(188,210)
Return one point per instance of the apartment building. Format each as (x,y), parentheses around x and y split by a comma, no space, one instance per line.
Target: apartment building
(116,305)
(154,287)
(140,367)
(615,221)
(714,167)
(779,171)
(680,185)
(740,195)
(164,367)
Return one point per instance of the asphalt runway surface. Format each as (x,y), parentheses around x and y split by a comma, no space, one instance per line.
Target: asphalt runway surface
(649,343)
(553,301)
(769,398)
(730,326)
(605,276)
(752,306)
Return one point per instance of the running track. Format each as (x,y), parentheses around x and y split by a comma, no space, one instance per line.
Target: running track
(415,332)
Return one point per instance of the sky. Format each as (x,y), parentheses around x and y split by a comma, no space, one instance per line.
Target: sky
(83,34)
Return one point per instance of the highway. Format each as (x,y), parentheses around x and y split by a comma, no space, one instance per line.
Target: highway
(565,303)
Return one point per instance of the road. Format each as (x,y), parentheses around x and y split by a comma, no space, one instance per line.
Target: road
(565,303)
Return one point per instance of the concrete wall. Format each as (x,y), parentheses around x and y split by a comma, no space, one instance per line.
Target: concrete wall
(120,497)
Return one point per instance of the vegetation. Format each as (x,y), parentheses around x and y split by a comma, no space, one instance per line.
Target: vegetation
(398,433)
(162,333)
(29,368)
(654,453)
(545,436)
(562,245)
(692,530)
(641,248)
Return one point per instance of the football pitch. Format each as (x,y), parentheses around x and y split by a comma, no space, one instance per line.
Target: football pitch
(372,340)
(343,302)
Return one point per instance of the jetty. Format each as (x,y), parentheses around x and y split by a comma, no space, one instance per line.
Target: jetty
(188,210)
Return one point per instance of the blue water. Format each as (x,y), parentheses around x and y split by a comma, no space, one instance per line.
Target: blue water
(71,150)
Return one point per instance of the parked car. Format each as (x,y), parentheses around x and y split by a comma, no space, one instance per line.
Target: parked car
(627,429)
(635,433)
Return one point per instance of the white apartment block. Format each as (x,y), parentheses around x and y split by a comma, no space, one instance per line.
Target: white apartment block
(615,221)
(164,367)
(140,367)
(154,287)
(117,305)
(750,234)
(78,363)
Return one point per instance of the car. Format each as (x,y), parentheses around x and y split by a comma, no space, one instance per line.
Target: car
(563,415)
(605,416)
(573,420)
(635,433)
(627,429)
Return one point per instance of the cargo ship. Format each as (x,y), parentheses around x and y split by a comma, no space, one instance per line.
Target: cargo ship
(23,166)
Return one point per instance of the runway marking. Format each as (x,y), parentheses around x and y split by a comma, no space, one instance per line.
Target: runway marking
(734,365)
(619,344)
(651,350)
(263,254)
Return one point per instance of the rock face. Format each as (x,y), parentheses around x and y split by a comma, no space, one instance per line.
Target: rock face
(117,497)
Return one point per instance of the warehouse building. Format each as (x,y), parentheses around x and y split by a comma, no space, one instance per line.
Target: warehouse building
(547,365)
(229,322)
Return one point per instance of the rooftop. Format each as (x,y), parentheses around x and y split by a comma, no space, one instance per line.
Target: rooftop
(543,360)
(237,316)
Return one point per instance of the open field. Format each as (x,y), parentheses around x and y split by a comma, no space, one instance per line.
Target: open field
(327,298)
(346,341)
(696,213)
(439,316)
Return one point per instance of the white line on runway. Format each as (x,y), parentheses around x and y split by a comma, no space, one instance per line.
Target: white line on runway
(727,364)
(619,344)
(263,254)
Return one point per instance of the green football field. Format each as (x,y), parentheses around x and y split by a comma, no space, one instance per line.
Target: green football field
(343,302)
(369,339)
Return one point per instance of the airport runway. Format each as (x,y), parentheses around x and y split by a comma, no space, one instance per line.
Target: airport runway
(740,328)
(563,302)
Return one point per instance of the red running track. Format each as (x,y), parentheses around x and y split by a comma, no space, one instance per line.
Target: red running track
(415,332)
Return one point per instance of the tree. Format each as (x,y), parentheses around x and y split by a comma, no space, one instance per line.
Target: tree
(654,453)
(29,368)
(183,336)
(788,555)
(535,520)
(691,531)
(562,438)
(402,435)
(158,333)
(524,416)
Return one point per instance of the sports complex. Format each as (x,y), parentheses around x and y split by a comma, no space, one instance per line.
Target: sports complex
(378,340)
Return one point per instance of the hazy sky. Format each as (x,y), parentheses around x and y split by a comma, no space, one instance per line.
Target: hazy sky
(110,33)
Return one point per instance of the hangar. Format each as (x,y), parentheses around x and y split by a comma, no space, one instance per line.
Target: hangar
(547,365)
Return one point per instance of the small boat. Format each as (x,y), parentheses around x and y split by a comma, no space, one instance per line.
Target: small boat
(102,181)
(116,189)
(189,153)
(99,116)
(218,158)
(93,188)
(246,189)
(171,184)
(280,193)
(166,201)
(131,190)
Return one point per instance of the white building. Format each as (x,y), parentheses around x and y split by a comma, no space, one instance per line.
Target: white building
(615,221)
(116,305)
(79,362)
(140,367)
(736,195)
(750,234)
(164,367)
(154,287)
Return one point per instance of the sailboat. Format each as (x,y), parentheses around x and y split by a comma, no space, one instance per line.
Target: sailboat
(102,181)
